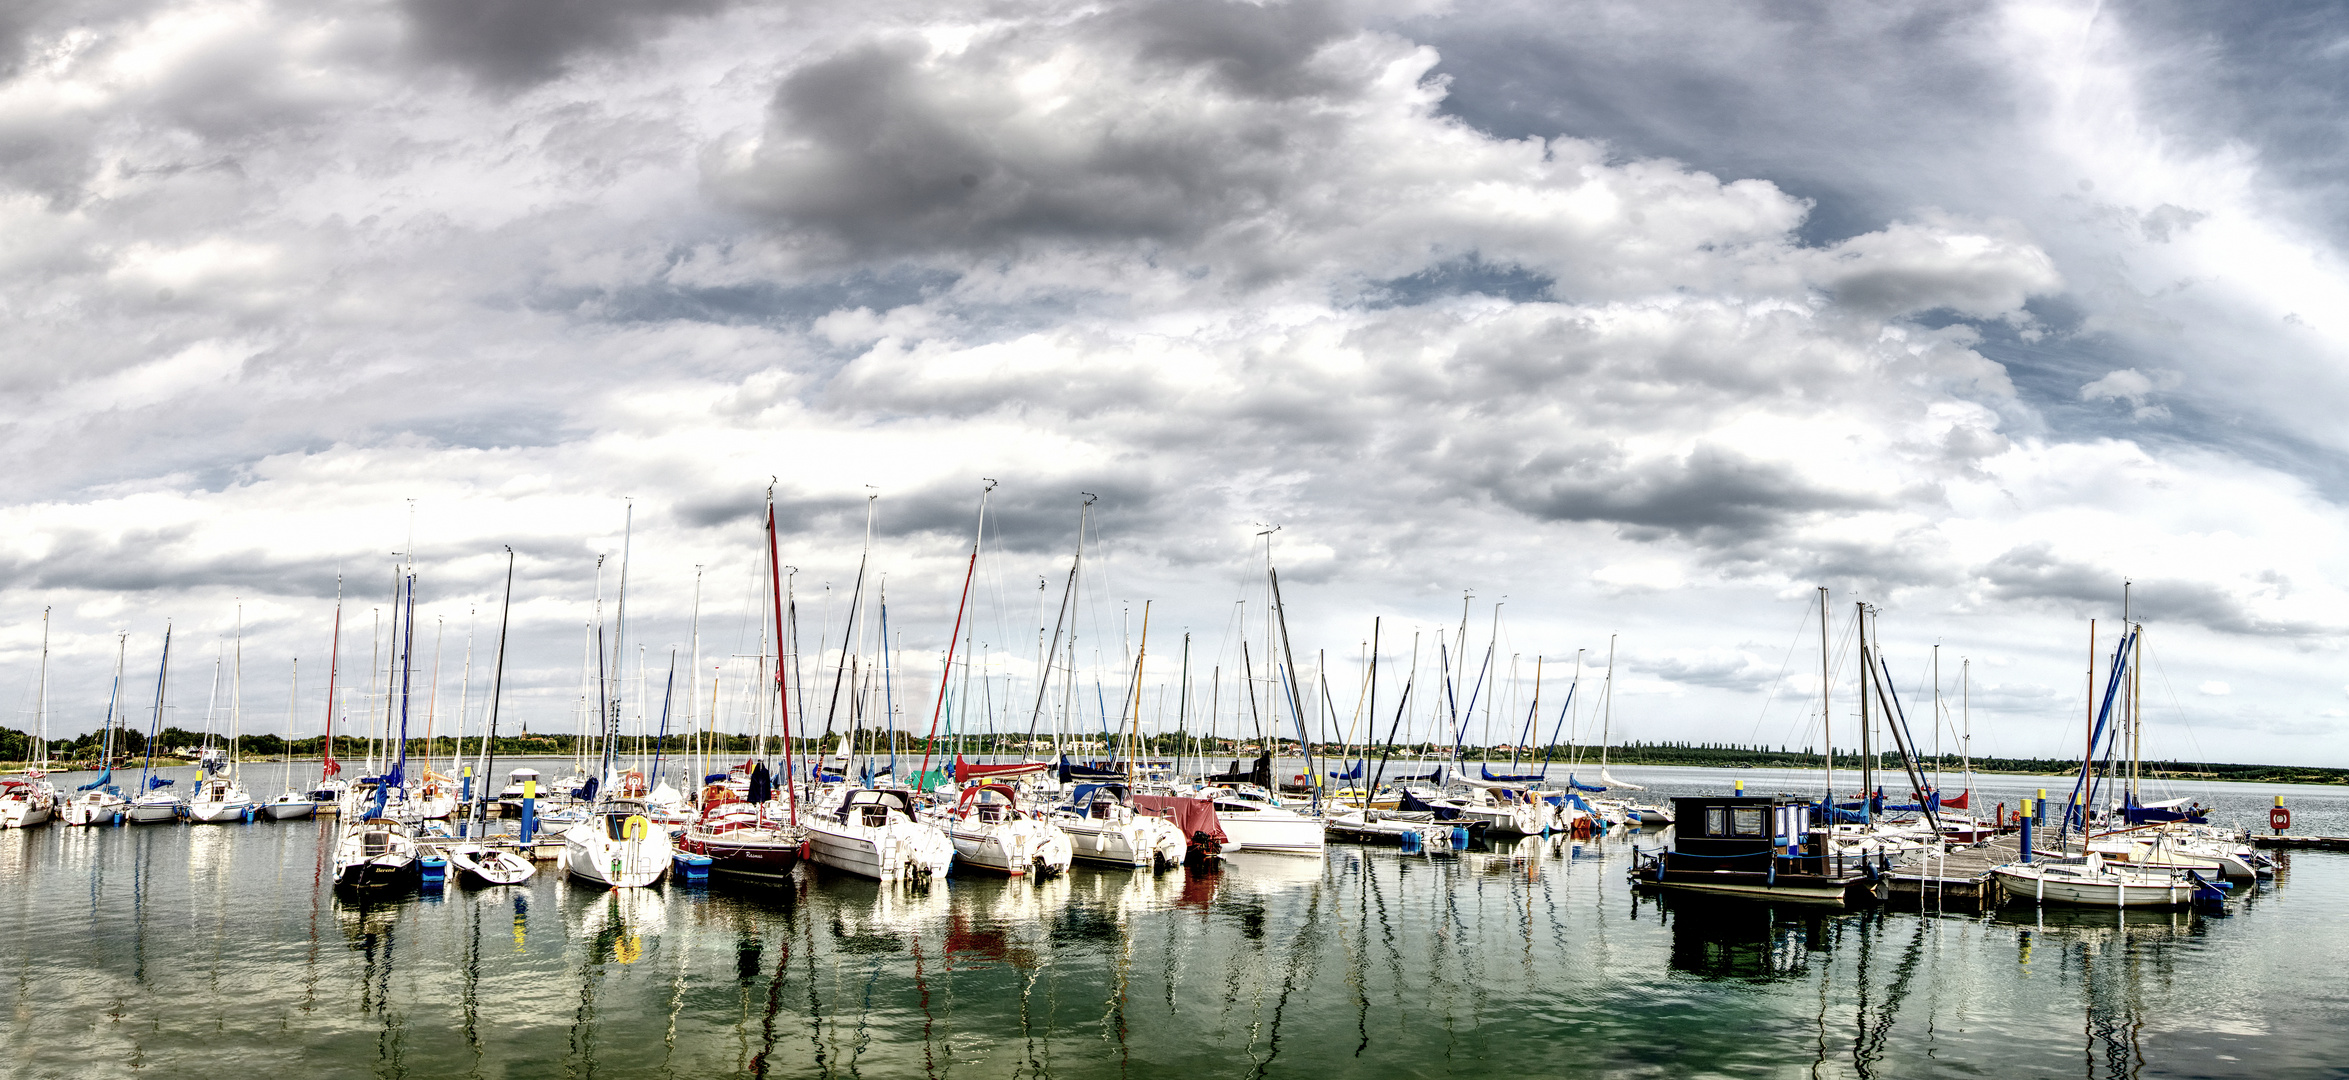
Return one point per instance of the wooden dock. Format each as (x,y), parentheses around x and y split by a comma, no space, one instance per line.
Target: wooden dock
(1958,879)
(2301,843)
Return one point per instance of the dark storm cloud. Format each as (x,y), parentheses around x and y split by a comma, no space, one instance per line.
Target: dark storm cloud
(143,560)
(892,149)
(520,42)
(1710,492)
(2034,571)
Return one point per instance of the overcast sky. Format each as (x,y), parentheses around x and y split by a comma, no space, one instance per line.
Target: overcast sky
(1642,320)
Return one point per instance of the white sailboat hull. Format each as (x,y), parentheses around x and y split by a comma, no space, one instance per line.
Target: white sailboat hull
(94,808)
(24,814)
(1139,843)
(633,860)
(1014,848)
(1291,835)
(142,812)
(288,809)
(2027,882)
(220,813)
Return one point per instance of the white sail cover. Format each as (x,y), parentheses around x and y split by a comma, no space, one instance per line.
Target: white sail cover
(1608,779)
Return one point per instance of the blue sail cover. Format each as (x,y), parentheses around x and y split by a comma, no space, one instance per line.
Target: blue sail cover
(2146,815)
(1528,778)
(1578,785)
(154,782)
(1442,813)
(103,781)
(1071,772)
(1354,773)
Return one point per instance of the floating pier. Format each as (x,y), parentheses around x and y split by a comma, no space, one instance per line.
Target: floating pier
(1958,879)
(2302,843)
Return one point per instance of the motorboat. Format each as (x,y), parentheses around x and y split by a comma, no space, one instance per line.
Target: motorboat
(875,833)
(743,839)
(219,800)
(992,832)
(1396,828)
(481,864)
(377,855)
(2091,880)
(1104,827)
(617,845)
(1254,821)
(26,801)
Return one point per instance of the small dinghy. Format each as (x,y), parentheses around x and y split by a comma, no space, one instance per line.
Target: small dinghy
(480,865)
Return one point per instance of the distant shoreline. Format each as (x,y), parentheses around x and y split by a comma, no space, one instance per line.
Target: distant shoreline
(1680,755)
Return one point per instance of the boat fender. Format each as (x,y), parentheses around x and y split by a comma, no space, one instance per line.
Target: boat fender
(1459,837)
(1770,878)
(1410,843)
(615,869)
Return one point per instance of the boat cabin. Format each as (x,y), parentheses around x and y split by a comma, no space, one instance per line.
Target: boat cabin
(1744,832)
(871,807)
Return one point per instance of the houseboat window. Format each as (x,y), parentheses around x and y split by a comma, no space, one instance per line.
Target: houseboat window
(1716,821)
(1748,820)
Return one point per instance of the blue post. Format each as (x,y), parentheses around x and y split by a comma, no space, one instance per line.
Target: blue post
(2026,838)
(529,811)
(2039,808)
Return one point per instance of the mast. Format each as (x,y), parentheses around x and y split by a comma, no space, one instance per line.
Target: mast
(1966,744)
(155,727)
(293,702)
(954,638)
(611,718)
(41,759)
(693,717)
(464,696)
(497,686)
(1826,712)
(1867,722)
(782,692)
(1607,713)
(236,696)
(855,606)
(1133,767)
(328,766)
(2136,718)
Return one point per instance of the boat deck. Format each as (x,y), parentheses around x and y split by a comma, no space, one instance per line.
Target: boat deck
(1957,879)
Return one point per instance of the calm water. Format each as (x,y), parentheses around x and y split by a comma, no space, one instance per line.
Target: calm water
(218,951)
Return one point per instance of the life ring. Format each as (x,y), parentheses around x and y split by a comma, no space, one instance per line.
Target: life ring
(2279,819)
(635,827)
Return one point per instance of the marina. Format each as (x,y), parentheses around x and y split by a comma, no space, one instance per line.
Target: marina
(1363,961)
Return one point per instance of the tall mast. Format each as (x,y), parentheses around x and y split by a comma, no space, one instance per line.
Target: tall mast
(1867,722)
(327,765)
(1826,711)
(1607,714)
(497,686)
(1966,706)
(155,729)
(954,638)
(464,695)
(2136,717)
(41,759)
(236,695)
(693,717)
(1133,767)
(782,692)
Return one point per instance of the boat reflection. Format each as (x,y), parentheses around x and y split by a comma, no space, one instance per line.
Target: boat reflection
(1728,938)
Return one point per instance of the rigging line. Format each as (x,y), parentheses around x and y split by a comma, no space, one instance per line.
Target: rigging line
(1809,603)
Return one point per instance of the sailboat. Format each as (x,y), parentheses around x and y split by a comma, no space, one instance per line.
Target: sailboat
(375,855)
(741,835)
(31,800)
(219,796)
(99,802)
(991,831)
(290,804)
(616,843)
(2093,878)
(152,805)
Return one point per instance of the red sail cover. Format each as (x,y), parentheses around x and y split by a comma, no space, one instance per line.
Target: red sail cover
(964,771)
(1192,816)
(1958,803)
